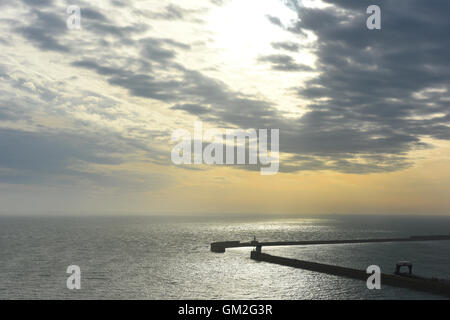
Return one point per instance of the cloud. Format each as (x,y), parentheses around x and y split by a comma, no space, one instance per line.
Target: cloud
(191,108)
(93,14)
(282,62)
(369,106)
(38,3)
(171,12)
(288,46)
(274,20)
(33,155)
(44,31)
(155,49)
(371,100)
(365,114)
(47,28)
(45,158)
(175,13)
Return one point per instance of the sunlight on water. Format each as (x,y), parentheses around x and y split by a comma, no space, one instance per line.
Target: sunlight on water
(148,258)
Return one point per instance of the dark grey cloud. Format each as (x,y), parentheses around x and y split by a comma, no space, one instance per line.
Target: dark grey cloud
(93,14)
(60,158)
(39,3)
(191,108)
(43,40)
(288,46)
(171,12)
(275,20)
(138,84)
(47,29)
(118,3)
(161,50)
(88,64)
(29,154)
(147,86)
(44,29)
(283,62)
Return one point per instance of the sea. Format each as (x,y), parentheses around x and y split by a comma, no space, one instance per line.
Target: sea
(157,257)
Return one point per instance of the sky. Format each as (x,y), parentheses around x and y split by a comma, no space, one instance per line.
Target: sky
(86,115)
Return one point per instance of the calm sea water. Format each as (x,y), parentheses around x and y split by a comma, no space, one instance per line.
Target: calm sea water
(169,258)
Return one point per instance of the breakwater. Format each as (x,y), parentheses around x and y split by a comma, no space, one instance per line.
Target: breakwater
(435,286)
(220,247)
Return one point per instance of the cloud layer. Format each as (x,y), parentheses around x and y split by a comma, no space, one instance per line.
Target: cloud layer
(371,97)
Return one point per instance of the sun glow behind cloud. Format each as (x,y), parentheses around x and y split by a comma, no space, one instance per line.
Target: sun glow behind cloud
(243,27)
(241,33)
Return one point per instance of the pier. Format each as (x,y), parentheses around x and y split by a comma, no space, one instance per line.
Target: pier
(435,286)
(408,281)
(220,247)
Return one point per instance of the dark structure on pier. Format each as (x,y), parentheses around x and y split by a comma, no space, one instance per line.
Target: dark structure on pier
(401,264)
